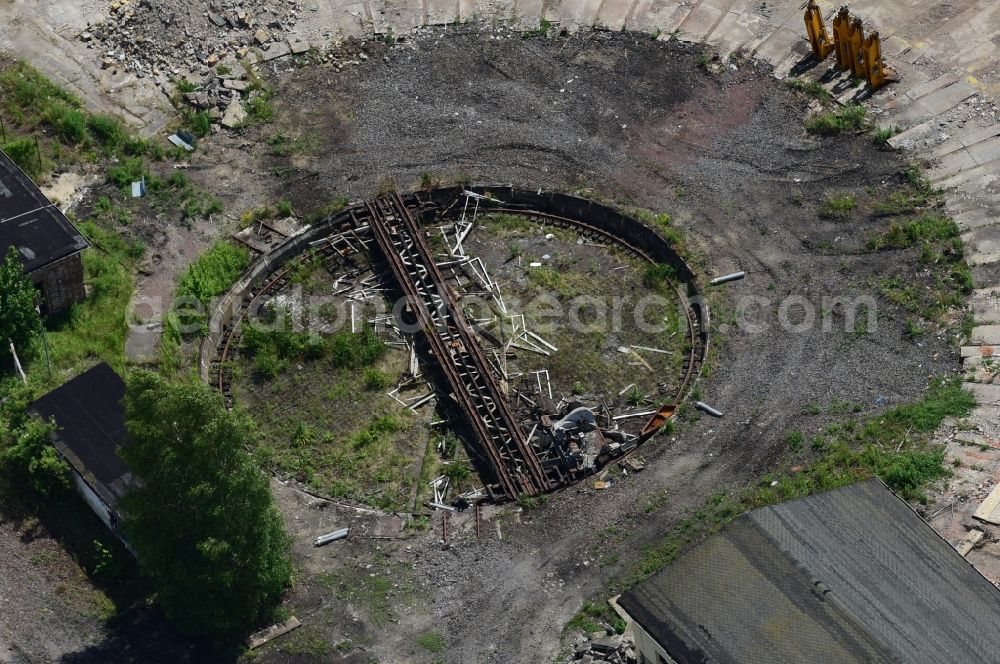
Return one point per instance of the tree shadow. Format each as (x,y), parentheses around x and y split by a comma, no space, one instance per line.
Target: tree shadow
(142,635)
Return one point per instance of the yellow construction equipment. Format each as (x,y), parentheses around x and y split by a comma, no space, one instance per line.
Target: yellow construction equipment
(816,29)
(842,38)
(856,54)
(876,73)
(857,44)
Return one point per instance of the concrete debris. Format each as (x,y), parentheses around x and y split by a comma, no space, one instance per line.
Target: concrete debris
(177,44)
(235,115)
(258,639)
(603,647)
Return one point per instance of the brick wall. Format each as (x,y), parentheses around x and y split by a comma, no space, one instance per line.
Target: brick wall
(61,283)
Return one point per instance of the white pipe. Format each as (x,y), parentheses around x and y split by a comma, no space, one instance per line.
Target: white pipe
(727,278)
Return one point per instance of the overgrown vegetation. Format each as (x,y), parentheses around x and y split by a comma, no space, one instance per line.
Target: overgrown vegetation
(811,88)
(831,123)
(272,347)
(936,293)
(19,320)
(45,125)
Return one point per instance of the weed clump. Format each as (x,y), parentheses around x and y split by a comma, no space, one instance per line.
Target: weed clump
(849,118)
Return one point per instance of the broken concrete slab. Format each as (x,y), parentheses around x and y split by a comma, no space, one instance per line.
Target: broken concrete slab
(969,542)
(276,50)
(987,510)
(233,84)
(258,639)
(985,334)
(985,394)
(298,47)
(234,116)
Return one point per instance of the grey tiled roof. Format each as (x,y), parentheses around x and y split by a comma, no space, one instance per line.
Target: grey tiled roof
(849,575)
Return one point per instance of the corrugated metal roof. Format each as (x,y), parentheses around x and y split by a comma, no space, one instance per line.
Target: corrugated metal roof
(849,575)
(28,221)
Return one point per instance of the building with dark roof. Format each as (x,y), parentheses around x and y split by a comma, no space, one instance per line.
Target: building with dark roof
(90,427)
(849,575)
(47,242)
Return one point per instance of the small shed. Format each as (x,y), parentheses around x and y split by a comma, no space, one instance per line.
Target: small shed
(48,243)
(851,575)
(90,427)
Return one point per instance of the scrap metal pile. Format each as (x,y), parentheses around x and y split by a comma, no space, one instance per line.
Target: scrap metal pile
(567,440)
(523,438)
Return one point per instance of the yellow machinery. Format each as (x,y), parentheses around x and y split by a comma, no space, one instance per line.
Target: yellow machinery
(816,29)
(842,38)
(856,47)
(856,54)
(876,73)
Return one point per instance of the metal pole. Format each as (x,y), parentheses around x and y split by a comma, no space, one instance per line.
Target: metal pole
(727,278)
(701,405)
(17,362)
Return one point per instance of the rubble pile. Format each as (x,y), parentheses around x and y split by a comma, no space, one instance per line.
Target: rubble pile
(157,37)
(599,648)
(173,41)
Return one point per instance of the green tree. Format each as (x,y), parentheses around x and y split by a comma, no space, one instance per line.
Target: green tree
(18,316)
(27,456)
(201,518)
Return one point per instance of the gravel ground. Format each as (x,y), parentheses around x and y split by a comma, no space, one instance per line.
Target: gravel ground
(640,122)
(626,118)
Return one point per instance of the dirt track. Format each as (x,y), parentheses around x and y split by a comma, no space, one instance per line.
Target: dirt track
(642,123)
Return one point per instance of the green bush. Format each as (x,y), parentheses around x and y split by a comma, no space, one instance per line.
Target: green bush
(127,171)
(23,152)
(349,350)
(198,123)
(68,123)
(214,271)
(107,131)
(375,379)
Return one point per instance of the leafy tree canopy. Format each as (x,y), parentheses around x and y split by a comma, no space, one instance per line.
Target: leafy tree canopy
(18,317)
(201,517)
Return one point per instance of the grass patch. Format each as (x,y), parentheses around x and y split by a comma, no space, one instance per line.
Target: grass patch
(96,328)
(47,126)
(811,88)
(432,641)
(544,28)
(926,228)
(832,123)
(214,271)
(837,207)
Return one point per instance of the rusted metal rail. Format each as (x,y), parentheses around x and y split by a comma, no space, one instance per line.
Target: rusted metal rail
(692,320)
(498,435)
